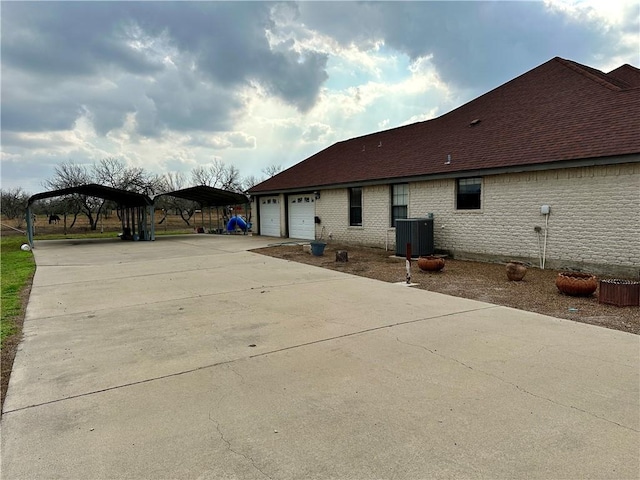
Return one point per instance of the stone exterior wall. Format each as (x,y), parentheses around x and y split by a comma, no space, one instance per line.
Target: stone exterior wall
(333,210)
(594,224)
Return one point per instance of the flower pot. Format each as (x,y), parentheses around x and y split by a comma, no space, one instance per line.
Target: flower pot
(576,284)
(430,263)
(317,248)
(516,271)
(621,293)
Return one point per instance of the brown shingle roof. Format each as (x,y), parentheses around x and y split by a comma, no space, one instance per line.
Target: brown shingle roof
(558,111)
(627,74)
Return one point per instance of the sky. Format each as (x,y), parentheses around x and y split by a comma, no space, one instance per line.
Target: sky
(170,86)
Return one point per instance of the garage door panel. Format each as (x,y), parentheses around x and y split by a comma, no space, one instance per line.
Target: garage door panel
(301,217)
(270,216)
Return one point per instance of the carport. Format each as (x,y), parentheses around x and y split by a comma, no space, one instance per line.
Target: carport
(136,209)
(208,197)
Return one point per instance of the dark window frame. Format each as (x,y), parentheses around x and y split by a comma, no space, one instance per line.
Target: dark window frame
(355,207)
(469,193)
(399,210)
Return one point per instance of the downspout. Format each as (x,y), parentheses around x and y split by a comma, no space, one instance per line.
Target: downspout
(546,231)
(538,230)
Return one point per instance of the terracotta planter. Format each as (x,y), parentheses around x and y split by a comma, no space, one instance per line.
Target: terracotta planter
(430,263)
(516,271)
(576,284)
(621,293)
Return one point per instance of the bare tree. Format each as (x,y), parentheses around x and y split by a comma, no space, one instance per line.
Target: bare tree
(250,181)
(218,175)
(110,172)
(271,170)
(173,181)
(13,202)
(115,173)
(70,174)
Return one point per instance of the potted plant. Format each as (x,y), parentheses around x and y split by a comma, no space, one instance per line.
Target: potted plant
(516,270)
(576,284)
(317,247)
(430,263)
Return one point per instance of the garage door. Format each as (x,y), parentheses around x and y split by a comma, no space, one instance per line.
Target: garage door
(302,210)
(270,216)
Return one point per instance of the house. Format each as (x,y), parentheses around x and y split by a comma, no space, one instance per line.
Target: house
(546,165)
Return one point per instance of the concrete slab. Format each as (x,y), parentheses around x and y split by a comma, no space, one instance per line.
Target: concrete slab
(192,358)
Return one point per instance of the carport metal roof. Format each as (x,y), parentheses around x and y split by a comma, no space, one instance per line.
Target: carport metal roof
(122,197)
(209,196)
(204,195)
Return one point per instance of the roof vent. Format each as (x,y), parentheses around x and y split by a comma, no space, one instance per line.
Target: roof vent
(475,122)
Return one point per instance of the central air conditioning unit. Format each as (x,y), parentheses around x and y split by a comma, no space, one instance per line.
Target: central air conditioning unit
(416,231)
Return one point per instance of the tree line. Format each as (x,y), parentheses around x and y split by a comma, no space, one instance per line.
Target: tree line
(115,173)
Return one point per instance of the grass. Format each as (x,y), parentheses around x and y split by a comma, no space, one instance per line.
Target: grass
(16,271)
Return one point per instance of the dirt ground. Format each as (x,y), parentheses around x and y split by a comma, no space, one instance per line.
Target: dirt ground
(486,282)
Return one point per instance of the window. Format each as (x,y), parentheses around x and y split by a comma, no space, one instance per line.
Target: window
(399,202)
(468,193)
(355,206)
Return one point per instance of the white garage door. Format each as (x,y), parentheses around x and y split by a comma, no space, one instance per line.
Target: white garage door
(302,211)
(270,216)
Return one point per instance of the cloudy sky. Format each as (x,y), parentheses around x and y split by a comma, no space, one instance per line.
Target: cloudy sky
(170,86)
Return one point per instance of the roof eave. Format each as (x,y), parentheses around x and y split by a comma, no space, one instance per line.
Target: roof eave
(587,162)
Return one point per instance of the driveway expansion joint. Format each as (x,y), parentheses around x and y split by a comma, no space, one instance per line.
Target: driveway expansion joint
(262,354)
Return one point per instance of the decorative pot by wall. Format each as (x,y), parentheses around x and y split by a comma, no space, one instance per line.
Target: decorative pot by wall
(619,292)
(317,248)
(576,284)
(430,263)
(516,271)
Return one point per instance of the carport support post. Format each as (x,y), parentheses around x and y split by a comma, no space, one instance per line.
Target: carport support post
(247,206)
(29,227)
(152,212)
(144,227)
(408,263)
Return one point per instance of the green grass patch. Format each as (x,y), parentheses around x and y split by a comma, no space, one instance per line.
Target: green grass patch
(16,271)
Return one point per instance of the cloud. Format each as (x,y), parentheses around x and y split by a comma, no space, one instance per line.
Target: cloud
(316,132)
(475,45)
(223,141)
(174,65)
(171,85)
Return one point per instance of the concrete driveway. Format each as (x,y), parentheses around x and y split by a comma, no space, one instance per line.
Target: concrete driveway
(190,357)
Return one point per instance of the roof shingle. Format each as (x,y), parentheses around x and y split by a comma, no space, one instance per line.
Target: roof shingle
(558,111)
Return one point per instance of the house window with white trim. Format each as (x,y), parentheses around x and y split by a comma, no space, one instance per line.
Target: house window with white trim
(355,207)
(469,193)
(399,202)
